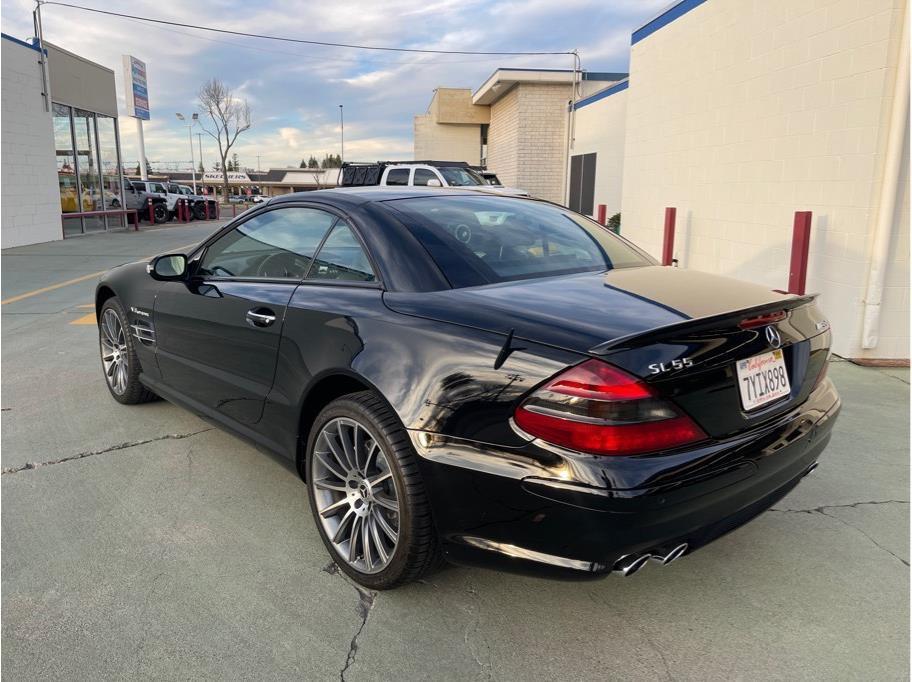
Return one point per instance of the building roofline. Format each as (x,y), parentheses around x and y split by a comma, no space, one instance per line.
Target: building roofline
(602,94)
(7,36)
(559,76)
(664,17)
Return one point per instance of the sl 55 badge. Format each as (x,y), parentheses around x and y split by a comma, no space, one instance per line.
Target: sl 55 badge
(680,363)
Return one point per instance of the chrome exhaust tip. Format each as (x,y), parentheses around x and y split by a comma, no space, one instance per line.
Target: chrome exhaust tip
(665,556)
(674,554)
(630,564)
(810,469)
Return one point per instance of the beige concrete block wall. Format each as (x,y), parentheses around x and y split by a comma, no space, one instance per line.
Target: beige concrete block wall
(503,138)
(30,203)
(446,142)
(542,139)
(740,113)
(454,105)
(600,128)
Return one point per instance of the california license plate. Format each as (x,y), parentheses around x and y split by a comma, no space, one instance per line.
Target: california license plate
(762,379)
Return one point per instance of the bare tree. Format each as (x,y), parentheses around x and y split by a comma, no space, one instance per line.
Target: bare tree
(230,117)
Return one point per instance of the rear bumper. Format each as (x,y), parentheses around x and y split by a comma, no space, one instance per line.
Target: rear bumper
(540,510)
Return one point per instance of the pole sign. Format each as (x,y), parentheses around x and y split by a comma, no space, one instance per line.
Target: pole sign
(137,88)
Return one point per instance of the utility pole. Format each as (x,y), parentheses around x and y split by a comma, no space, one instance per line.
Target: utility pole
(342,133)
(199,139)
(194,119)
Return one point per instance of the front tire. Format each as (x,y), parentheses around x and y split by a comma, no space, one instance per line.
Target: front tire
(118,356)
(160,212)
(366,494)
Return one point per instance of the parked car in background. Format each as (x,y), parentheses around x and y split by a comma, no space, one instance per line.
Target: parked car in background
(136,197)
(490,177)
(198,203)
(420,174)
(484,379)
(237,199)
(259,199)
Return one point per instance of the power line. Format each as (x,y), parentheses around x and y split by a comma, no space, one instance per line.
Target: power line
(300,40)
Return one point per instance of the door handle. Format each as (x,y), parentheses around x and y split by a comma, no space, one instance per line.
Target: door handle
(260,317)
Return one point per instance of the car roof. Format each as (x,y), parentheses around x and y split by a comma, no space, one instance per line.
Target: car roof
(355,196)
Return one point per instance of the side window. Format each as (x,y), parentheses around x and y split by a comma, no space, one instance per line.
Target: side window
(397,176)
(342,258)
(278,244)
(158,187)
(422,175)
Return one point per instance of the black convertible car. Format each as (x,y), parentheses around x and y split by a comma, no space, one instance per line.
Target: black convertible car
(481,379)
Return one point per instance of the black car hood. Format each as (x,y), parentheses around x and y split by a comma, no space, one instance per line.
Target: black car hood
(577,312)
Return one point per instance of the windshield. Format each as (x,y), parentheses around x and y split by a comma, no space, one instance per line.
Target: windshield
(483,240)
(460,177)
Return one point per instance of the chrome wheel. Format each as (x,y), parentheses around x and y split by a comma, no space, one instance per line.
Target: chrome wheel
(355,494)
(114,352)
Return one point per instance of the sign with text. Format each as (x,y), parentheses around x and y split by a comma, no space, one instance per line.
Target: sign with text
(137,89)
(216,176)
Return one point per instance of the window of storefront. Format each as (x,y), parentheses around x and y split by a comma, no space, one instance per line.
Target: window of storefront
(88,168)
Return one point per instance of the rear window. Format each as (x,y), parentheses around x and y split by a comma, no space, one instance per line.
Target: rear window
(483,240)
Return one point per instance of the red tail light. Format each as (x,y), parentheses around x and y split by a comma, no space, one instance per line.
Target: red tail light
(599,409)
(762,320)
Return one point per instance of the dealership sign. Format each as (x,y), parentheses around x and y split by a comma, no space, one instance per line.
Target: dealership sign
(137,88)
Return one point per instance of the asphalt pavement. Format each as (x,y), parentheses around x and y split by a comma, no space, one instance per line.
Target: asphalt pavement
(140,542)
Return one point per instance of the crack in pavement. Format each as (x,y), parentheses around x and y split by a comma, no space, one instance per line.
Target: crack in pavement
(366,601)
(113,448)
(822,511)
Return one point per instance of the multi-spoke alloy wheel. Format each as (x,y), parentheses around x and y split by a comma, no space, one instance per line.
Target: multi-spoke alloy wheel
(114,352)
(119,361)
(355,494)
(366,493)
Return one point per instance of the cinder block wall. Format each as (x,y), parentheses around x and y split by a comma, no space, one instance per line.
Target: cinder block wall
(527,138)
(741,113)
(447,141)
(30,206)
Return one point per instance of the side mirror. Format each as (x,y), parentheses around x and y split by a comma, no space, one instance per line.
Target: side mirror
(434,182)
(170,267)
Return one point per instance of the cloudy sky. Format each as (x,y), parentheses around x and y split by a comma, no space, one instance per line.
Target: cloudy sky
(294,90)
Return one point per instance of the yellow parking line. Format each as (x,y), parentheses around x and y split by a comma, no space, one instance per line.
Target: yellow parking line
(44,290)
(85,319)
(86,305)
(75,280)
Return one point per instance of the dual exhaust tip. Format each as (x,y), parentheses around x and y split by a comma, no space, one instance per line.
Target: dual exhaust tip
(630,564)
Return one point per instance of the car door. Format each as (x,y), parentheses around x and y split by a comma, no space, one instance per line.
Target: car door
(218,332)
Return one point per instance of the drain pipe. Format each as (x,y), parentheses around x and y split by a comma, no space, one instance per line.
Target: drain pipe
(883,228)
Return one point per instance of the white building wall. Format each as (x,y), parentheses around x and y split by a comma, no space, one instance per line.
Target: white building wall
(740,113)
(30,203)
(599,127)
(503,138)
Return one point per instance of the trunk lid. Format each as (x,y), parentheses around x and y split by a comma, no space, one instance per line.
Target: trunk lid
(645,318)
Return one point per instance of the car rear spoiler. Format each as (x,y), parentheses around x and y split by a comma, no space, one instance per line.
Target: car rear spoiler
(698,324)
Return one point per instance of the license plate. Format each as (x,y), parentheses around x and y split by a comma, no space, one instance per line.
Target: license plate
(762,379)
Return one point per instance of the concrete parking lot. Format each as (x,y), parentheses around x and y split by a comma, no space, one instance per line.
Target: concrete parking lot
(140,542)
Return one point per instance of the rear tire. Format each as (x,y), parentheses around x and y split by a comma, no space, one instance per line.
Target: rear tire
(119,362)
(199,211)
(354,500)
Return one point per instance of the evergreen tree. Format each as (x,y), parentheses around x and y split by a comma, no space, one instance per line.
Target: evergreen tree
(312,162)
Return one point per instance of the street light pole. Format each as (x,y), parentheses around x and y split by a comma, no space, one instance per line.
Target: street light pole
(195,118)
(342,132)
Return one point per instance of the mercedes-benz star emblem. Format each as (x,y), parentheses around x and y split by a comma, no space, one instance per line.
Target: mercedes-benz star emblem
(773,338)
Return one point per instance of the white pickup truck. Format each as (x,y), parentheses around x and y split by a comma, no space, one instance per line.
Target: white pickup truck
(420,174)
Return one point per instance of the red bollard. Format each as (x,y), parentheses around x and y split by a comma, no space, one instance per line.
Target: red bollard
(207,209)
(801,243)
(135,220)
(151,212)
(234,210)
(669,239)
(602,214)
